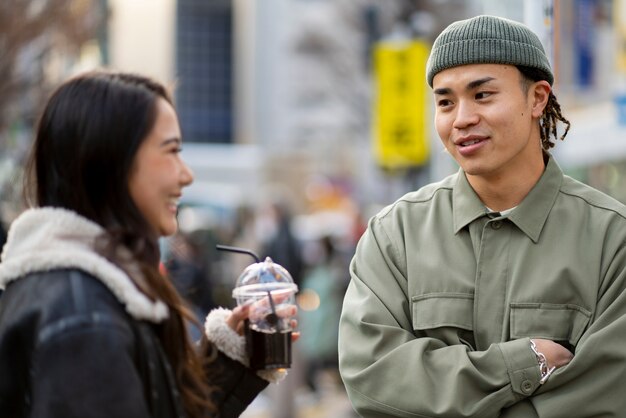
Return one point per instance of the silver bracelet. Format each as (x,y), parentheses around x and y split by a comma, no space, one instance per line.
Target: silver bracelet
(543,364)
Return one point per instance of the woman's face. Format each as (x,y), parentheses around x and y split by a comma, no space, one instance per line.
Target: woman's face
(158,174)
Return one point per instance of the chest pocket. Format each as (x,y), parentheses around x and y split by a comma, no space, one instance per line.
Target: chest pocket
(448,317)
(557,322)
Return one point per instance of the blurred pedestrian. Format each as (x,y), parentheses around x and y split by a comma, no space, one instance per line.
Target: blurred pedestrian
(277,239)
(88,325)
(501,290)
(244,235)
(191,280)
(323,286)
(3,240)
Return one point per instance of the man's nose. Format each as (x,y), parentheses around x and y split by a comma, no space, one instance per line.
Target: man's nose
(466,115)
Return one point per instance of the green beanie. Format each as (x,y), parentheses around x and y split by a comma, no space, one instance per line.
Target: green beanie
(487,40)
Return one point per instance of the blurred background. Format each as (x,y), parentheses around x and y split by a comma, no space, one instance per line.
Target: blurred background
(301,119)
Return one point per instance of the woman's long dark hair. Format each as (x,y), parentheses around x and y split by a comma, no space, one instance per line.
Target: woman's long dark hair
(81,160)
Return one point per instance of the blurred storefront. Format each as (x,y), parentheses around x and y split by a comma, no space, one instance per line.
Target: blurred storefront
(273,93)
(289,100)
(586,41)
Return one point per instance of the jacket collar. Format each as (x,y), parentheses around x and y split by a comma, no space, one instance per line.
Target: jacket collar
(529,216)
(43,239)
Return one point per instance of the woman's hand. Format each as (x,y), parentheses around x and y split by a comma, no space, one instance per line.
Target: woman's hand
(237,318)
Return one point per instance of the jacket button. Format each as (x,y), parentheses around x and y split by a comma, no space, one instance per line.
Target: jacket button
(496,225)
(527,387)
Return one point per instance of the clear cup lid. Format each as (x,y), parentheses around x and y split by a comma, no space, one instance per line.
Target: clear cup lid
(258,278)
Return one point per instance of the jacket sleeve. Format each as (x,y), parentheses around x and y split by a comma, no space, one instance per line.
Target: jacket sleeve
(235,385)
(522,409)
(388,371)
(84,368)
(592,384)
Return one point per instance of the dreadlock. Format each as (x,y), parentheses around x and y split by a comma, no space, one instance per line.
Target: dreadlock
(551,114)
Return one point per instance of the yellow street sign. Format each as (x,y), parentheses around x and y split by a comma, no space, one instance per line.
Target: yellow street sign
(400,127)
(619,17)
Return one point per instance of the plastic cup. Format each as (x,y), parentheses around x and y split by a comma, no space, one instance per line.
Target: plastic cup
(268,289)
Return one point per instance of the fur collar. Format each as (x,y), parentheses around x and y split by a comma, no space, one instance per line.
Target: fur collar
(43,239)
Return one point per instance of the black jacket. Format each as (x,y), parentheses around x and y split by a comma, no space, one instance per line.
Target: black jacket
(68,348)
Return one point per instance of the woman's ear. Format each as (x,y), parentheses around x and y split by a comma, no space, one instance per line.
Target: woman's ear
(540,94)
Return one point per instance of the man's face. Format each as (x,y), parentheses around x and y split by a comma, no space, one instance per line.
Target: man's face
(487,121)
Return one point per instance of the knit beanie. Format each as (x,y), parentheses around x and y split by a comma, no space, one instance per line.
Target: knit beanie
(487,40)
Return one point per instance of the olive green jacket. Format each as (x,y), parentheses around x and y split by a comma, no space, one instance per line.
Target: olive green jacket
(444,299)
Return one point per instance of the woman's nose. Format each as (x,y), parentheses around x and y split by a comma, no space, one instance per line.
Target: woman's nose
(186,175)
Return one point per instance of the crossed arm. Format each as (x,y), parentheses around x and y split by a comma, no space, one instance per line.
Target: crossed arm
(388,371)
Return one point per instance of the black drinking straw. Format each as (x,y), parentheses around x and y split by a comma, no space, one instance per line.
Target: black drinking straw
(238,250)
(273,317)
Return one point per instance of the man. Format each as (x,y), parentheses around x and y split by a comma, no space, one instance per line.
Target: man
(499,291)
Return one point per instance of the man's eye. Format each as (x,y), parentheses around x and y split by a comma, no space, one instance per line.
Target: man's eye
(444,103)
(482,95)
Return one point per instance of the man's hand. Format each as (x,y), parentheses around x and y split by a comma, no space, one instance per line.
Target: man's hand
(556,355)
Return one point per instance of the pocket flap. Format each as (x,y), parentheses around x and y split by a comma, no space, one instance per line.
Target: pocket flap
(554,322)
(436,310)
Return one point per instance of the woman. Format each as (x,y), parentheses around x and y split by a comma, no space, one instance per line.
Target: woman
(88,325)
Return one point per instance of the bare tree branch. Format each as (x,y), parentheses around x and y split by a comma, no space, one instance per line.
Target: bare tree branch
(29,31)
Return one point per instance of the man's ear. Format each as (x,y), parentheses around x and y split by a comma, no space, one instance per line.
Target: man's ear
(540,93)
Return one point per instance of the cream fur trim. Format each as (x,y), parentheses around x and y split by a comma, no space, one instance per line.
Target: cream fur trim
(224,337)
(272,376)
(44,239)
(232,344)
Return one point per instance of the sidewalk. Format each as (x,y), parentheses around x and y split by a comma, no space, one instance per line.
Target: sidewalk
(331,401)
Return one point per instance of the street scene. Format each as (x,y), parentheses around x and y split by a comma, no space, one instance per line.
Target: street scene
(300,155)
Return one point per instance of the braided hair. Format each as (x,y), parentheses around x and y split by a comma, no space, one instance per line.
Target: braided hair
(551,113)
